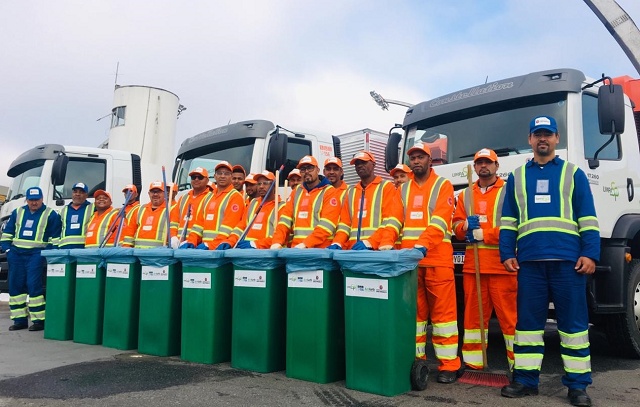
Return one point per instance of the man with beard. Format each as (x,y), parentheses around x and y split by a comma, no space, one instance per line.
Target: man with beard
(251,188)
(428,206)
(400,174)
(101,221)
(498,287)
(549,234)
(371,215)
(311,215)
(133,204)
(334,173)
(148,228)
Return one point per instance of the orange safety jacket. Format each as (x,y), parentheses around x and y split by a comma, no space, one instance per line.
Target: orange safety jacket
(220,213)
(262,229)
(310,217)
(428,210)
(382,215)
(341,192)
(181,208)
(99,226)
(488,207)
(148,229)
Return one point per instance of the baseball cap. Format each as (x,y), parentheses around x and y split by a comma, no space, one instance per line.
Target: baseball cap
(238,168)
(265,174)
(294,171)
(34,193)
(307,160)
(400,167)
(129,187)
(101,192)
(80,185)
(156,185)
(200,171)
(251,179)
(420,146)
(363,156)
(224,164)
(486,153)
(543,123)
(333,160)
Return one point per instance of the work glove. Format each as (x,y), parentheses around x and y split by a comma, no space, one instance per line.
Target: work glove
(422,250)
(276,246)
(474,236)
(385,247)
(223,246)
(300,246)
(334,246)
(175,242)
(186,245)
(362,245)
(246,244)
(472,222)
(202,246)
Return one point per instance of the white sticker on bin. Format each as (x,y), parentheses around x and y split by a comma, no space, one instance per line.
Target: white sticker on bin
(250,278)
(55,270)
(305,279)
(86,271)
(196,280)
(367,288)
(115,270)
(155,273)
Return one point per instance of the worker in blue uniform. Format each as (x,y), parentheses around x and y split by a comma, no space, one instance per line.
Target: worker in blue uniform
(30,229)
(549,235)
(75,218)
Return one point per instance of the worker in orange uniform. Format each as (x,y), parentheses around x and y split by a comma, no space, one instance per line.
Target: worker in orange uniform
(102,229)
(260,233)
(311,216)
(335,174)
(183,214)
(251,188)
(371,216)
(220,213)
(498,287)
(148,229)
(428,208)
(237,177)
(294,178)
(133,204)
(400,174)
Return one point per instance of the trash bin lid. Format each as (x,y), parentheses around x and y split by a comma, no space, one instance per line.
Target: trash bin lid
(387,263)
(309,259)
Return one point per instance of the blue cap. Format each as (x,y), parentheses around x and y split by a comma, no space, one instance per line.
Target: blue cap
(80,185)
(543,123)
(34,193)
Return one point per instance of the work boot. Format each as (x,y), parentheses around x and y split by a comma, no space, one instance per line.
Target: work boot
(516,390)
(579,397)
(37,326)
(17,327)
(447,376)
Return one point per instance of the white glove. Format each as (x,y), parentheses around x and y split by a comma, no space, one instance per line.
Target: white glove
(175,242)
(276,246)
(253,244)
(300,246)
(465,226)
(386,247)
(477,234)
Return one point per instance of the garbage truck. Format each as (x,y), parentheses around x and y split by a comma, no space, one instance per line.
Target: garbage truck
(599,125)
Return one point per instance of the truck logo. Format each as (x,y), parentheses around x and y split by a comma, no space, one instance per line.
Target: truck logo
(612,190)
(480,90)
(462,173)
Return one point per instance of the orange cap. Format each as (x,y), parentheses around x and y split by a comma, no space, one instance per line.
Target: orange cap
(363,156)
(224,164)
(264,174)
(200,171)
(101,192)
(251,179)
(333,160)
(307,160)
(294,171)
(420,146)
(486,153)
(400,167)
(238,168)
(156,185)
(127,188)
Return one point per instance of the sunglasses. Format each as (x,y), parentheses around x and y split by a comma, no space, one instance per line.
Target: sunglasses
(197,177)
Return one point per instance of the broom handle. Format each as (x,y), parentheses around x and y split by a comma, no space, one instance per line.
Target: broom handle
(275,218)
(476,264)
(167,207)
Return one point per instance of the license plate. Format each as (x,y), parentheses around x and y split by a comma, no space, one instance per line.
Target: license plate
(458,257)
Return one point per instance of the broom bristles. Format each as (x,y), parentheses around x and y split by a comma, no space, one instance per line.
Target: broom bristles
(484,378)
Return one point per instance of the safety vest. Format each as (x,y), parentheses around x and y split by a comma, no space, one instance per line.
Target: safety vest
(99,226)
(262,229)
(74,224)
(341,192)
(24,236)
(219,214)
(148,229)
(186,203)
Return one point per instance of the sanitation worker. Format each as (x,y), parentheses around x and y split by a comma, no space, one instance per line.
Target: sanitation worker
(238,175)
(549,234)
(29,229)
(220,213)
(75,218)
(400,174)
(428,207)
(498,287)
(133,204)
(311,215)
(183,214)
(371,215)
(294,178)
(251,188)
(333,172)
(148,229)
(103,226)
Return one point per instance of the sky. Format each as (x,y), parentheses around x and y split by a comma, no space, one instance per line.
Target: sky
(301,64)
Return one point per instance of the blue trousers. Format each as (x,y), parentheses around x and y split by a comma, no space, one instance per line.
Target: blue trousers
(538,283)
(25,277)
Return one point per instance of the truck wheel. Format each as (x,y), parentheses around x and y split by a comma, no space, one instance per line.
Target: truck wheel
(419,374)
(623,330)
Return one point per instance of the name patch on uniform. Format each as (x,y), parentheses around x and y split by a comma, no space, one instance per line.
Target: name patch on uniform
(89,234)
(416,215)
(257,226)
(27,233)
(147,227)
(210,216)
(482,218)
(75,226)
(543,199)
(303,215)
(542,186)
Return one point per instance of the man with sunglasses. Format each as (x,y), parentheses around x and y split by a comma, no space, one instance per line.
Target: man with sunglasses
(148,228)
(183,214)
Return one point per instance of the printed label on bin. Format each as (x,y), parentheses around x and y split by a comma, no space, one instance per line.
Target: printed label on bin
(250,278)
(117,270)
(155,273)
(305,279)
(55,270)
(367,288)
(196,280)
(458,257)
(86,271)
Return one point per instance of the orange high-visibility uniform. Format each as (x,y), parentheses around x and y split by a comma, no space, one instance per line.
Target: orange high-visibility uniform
(219,214)
(181,208)
(310,217)
(148,229)
(498,286)
(99,226)
(341,192)
(428,209)
(382,215)
(262,229)
(131,210)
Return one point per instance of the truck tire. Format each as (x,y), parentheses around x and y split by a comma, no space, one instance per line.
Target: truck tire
(623,330)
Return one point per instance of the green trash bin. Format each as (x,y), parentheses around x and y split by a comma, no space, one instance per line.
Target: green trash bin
(207,287)
(121,298)
(315,316)
(89,301)
(160,297)
(258,330)
(380,318)
(61,293)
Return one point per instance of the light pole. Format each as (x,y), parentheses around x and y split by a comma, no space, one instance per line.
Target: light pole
(384,103)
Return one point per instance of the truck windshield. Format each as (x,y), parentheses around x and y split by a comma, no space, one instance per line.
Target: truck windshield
(455,136)
(28,179)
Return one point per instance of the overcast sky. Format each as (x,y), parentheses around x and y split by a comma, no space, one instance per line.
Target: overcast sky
(308,64)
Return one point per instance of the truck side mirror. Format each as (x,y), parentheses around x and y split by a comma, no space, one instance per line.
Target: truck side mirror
(391,158)
(277,151)
(611,109)
(59,169)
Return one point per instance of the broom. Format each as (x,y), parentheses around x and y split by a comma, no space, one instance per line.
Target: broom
(480,377)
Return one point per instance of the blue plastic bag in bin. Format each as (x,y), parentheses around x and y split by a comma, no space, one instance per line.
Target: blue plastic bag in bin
(86,255)
(157,257)
(255,259)
(209,259)
(60,256)
(119,255)
(387,263)
(309,259)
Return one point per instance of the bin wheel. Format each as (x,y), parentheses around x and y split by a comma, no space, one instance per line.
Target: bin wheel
(419,374)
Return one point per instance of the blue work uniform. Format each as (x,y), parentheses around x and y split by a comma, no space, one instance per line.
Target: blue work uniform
(24,236)
(74,225)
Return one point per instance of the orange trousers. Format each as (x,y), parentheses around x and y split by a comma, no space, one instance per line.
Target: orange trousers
(437,303)
(499,292)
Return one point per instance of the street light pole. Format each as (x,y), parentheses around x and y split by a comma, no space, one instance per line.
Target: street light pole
(384,103)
